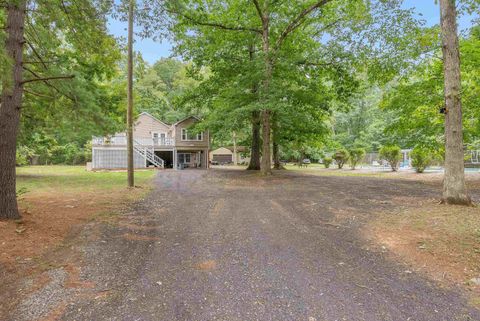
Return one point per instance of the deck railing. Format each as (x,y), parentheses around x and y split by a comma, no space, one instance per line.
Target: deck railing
(122,141)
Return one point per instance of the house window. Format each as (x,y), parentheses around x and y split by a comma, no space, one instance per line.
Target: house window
(187,136)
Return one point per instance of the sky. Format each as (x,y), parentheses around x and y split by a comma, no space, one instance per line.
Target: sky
(153,51)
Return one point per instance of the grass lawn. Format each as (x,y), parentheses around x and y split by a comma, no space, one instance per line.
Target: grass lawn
(40,179)
(54,200)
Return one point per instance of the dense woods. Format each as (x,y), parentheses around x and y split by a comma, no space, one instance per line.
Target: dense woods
(289,79)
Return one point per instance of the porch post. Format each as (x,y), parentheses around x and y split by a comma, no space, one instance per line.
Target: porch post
(175,158)
(207,158)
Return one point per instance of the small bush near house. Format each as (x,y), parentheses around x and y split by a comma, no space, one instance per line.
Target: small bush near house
(327,161)
(421,158)
(392,154)
(341,157)
(356,155)
(87,151)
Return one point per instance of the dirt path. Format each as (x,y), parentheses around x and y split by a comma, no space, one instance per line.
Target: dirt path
(228,245)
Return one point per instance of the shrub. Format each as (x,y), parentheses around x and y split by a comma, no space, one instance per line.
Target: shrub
(24,155)
(327,161)
(392,154)
(356,155)
(341,157)
(421,158)
(21,159)
(69,154)
(87,151)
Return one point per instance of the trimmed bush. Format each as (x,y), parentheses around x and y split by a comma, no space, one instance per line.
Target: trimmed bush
(327,161)
(356,155)
(421,158)
(341,157)
(392,154)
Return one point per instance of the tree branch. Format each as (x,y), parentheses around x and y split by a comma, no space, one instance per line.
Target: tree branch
(36,54)
(216,24)
(259,10)
(37,94)
(26,81)
(295,23)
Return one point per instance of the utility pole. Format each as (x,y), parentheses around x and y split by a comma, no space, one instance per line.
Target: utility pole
(131,179)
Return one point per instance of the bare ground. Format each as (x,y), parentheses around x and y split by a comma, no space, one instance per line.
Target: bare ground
(230,245)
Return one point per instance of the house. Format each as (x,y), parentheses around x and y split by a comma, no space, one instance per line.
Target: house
(155,143)
(225,155)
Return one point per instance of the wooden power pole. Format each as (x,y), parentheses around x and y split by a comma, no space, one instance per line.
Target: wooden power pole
(131,179)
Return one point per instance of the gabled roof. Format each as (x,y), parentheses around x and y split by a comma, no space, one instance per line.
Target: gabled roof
(240,149)
(184,119)
(154,118)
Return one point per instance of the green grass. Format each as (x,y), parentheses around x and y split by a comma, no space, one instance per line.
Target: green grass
(319,169)
(74,178)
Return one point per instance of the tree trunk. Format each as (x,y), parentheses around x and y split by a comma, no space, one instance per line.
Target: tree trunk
(454,189)
(235,159)
(131,178)
(276,152)
(256,142)
(276,156)
(10,106)
(254,163)
(266,164)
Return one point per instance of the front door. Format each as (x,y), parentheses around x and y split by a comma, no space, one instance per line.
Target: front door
(159,138)
(155,138)
(163,137)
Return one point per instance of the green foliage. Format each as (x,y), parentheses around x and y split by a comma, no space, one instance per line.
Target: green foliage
(69,39)
(356,155)
(313,69)
(24,155)
(392,154)
(415,99)
(49,151)
(327,161)
(161,87)
(87,151)
(69,154)
(21,159)
(341,157)
(421,158)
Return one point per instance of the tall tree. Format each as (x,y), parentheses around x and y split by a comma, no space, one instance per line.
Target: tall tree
(10,106)
(47,43)
(336,36)
(454,188)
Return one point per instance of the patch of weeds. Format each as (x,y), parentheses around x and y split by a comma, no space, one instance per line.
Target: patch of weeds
(21,191)
(422,245)
(477,235)
(475,301)
(106,216)
(44,265)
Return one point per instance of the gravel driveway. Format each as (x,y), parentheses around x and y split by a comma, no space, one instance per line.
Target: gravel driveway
(230,245)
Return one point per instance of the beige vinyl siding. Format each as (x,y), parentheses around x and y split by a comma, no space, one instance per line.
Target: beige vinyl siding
(189,143)
(146,125)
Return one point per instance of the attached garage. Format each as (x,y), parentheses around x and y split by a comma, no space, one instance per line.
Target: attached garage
(221,159)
